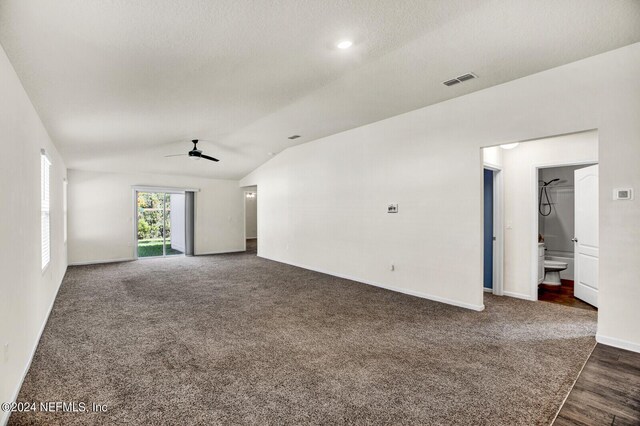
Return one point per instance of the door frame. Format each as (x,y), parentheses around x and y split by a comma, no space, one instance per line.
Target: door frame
(535,170)
(246,191)
(498,228)
(166,190)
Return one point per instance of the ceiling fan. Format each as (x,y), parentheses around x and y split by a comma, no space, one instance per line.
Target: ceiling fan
(195,153)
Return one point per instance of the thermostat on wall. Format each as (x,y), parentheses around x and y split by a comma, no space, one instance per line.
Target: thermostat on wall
(623,194)
(392,208)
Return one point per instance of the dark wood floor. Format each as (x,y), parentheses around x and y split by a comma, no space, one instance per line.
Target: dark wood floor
(562,294)
(252,246)
(607,391)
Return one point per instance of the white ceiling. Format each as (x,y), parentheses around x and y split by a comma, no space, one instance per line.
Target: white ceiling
(119,84)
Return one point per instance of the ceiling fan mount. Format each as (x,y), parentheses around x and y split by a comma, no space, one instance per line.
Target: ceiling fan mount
(195,153)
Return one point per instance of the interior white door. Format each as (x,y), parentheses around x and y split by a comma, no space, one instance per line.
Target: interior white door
(586,244)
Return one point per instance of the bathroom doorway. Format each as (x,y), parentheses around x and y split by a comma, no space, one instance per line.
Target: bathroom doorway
(567,241)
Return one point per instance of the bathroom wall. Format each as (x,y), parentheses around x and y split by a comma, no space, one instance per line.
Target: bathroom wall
(558,227)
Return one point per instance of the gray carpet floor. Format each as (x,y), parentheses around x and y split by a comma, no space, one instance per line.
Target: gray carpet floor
(235,339)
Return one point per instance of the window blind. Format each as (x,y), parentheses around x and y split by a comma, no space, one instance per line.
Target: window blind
(45,220)
(64,206)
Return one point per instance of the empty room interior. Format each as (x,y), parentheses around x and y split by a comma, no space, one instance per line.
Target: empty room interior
(318,212)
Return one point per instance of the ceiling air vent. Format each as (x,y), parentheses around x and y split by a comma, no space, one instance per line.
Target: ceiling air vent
(460,79)
(451,82)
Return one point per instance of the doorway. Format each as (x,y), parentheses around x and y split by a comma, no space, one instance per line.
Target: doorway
(489,237)
(493,239)
(160,224)
(516,166)
(251,219)
(567,234)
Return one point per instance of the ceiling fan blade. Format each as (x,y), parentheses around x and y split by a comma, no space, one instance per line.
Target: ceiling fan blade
(175,155)
(208,158)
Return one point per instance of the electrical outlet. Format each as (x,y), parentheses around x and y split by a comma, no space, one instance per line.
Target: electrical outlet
(392,208)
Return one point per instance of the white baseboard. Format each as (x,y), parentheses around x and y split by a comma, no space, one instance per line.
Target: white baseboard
(130,259)
(487,290)
(618,343)
(95,262)
(518,295)
(220,252)
(4,416)
(387,287)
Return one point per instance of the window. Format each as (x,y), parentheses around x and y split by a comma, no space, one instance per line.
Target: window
(64,207)
(45,220)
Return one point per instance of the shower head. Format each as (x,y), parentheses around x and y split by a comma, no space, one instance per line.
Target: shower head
(545,208)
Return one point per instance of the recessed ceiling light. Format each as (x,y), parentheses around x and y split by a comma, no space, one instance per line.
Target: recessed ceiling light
(509,145)
(344,44)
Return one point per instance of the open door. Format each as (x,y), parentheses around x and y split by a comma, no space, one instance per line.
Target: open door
(586,243)
(489,239)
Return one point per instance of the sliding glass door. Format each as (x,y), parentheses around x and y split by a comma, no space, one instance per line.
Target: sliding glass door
(160,224)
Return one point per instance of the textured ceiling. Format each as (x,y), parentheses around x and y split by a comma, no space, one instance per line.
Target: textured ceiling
(119,84)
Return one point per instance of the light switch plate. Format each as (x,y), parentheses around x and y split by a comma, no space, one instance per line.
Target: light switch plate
(623,194)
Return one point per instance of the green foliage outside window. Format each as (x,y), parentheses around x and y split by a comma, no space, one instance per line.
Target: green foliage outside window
(150,223)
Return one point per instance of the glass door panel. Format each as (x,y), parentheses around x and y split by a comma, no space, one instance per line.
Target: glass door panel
(154,223)
(150,224)
(172,247)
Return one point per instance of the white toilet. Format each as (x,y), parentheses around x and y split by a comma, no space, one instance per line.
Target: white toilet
(552,270)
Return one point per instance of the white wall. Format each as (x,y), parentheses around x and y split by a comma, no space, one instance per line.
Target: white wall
(251,214)
(518,165)
(101,214)
(178,222)
(26,292)
(492,156)
(322,204)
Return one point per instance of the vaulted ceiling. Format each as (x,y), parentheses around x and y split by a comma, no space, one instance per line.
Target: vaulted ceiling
(120,84)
